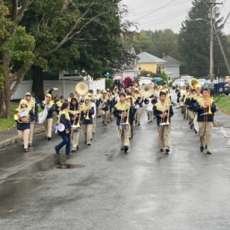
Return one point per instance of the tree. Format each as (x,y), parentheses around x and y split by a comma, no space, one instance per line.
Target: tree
(81,34)
(159,43)
(194,41)
(56,35)
(16,51)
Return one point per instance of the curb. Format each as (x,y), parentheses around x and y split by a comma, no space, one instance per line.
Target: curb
(15,139)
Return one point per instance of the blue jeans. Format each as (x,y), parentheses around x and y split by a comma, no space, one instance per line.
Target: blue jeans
(65,142)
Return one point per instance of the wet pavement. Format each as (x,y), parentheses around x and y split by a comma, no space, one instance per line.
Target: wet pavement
(143,190)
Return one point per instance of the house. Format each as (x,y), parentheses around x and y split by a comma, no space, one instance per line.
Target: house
(150,63)
(172,67)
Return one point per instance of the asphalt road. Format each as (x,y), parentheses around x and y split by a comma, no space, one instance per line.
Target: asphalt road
(143,190)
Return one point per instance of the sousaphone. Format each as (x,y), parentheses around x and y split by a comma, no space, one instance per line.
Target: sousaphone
(82,89)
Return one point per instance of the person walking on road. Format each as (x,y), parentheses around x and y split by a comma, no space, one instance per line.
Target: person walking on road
(206,109)
(163,111)
(64,130)
(121,112)
(22,118)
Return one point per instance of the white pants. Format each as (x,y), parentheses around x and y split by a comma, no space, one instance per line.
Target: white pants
(49,127)
(88,132)
(75,139)
(32,125)
(25,136)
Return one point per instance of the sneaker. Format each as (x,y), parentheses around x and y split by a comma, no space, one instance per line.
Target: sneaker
(167,151)
(208,153)
(201,149)
(161,150)
(56,150)
(126,149)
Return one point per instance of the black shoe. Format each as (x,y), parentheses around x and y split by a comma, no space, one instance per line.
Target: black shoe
(26,150)
(167,151)
(89,144)
(49,138)
(30,145)
(201,149)
(74,150)
(56,150)
(161,150)
(126,149)
(208,153)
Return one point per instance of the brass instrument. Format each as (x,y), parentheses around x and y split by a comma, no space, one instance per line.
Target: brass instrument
(124,118)
(77,120)
(163,122)
(82,89)
(195,84)
(87,116)
(86,109)
(209,100)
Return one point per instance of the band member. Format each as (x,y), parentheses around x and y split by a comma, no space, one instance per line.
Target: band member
(64,130)
(105,103)
(132,113)
(206,109)
(163,111)
(139,104)
(93,101)
(50,106)
(33,115)
(98,102)
(87,120)
(190,102)
(22,118)
(75,117)
(121,112)
(150,102)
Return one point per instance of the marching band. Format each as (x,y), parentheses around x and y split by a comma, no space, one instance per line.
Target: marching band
(77,116)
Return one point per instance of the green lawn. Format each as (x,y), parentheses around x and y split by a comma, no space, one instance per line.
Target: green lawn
(223,102)
(8,123)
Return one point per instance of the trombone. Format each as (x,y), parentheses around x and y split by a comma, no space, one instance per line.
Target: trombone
(165,122)
(124,119)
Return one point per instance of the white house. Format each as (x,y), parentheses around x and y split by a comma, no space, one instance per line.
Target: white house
(172,67)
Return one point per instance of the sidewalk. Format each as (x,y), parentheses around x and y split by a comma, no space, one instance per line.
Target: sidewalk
(222,120)
(9,137)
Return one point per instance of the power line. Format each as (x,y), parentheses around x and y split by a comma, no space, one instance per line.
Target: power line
(153,11)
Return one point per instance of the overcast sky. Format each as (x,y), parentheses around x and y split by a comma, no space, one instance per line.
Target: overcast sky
(162,14)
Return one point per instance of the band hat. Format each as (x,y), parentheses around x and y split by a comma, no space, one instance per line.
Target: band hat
(28,94)
(49,95)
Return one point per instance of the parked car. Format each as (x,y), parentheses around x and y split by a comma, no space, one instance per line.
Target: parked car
(179,83)
(227,89)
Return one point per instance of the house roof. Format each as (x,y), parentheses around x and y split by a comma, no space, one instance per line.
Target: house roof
(145,57)
(171,61)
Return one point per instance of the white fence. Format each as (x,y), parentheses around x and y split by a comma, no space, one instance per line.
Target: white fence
(65,87)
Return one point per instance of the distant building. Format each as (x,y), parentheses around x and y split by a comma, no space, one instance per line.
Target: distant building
(150,63)
(172,67)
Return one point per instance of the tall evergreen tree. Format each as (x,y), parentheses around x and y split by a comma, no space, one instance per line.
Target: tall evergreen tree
(194,41)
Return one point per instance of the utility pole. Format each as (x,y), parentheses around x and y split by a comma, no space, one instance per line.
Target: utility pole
(213,4)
